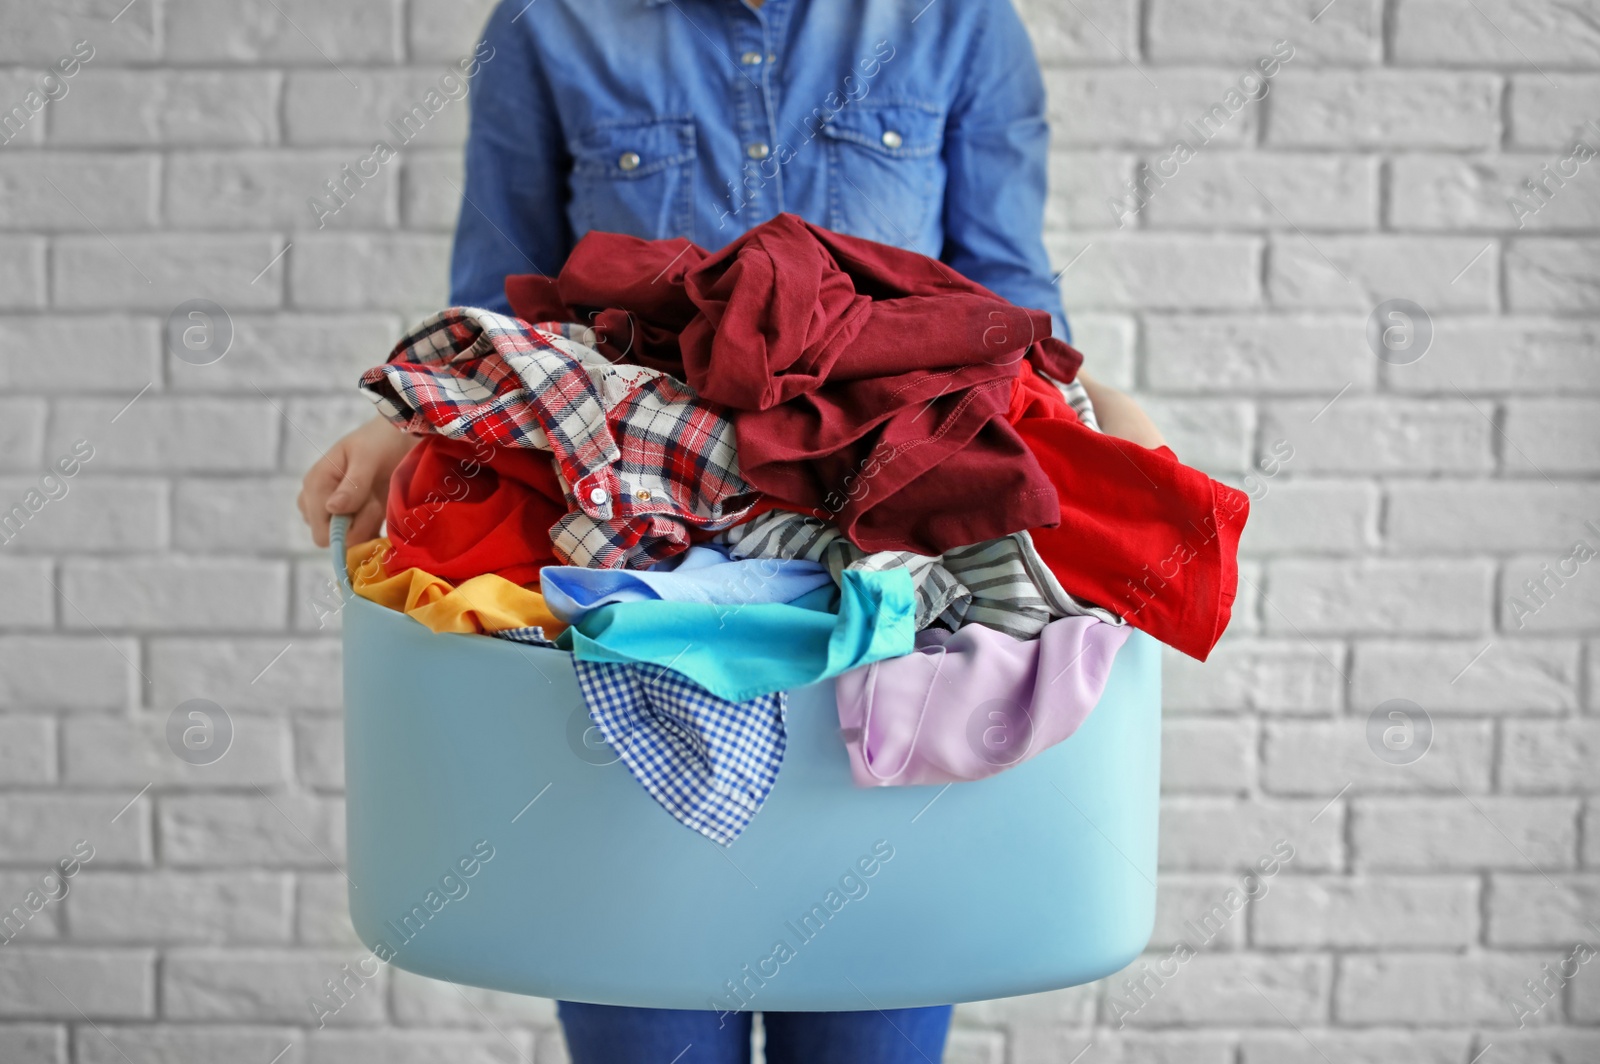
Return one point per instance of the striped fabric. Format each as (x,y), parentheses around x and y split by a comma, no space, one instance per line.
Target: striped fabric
(1077,396)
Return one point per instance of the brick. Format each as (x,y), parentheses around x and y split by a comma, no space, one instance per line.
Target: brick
(1553,274)
(22,427)
(274,986)
(1232,354)
(188,1044)
(1551,355)
(147,108)
(33,1044)
(248,674)
(98,984)
(1551,109)
(1360,272)
(1309,517)
(430,190)
(1221,834)
(1543,1047)
(964,1046)
(1550,757)
(296,31)
(1100,29)
(1565,600)
(179,907)
(1273,676)
(44,828)
(1117,106)
(1214,435)
(113,192)
(109,353)
(322,912)
(97,514)
(27,751)
(1149,271)
(1354,1047)
(154,433)
(418,1047)
(335,272)
(1448,834)
(1073,1006)
(1552,435)
(1057,1044)
(319,752)
(273,189)
(279,354)
(66,671)
(1366,912)
(1434,990)
(26,129)
(30,600)
(1243,33)
(30,906)
(162,270)
(1464,516)
(1199,912)
(1382,435)
(1499,32)
(135,752)
(1529,910)
(1088,191)
(243,514)
(1211,755)
(1412,596)
(1309,758)
(1450,192)
(1107,342)
(1226,989)
(279,830)
(1511,676)
(44,35)
(1315,191)
(445,29)
(1408,109)
(425,104)
(422,1002)
(185,593)
(22,272)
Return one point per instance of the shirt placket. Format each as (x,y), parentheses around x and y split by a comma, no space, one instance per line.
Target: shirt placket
(759,191)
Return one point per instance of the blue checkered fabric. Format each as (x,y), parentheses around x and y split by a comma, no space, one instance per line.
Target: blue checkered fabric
(533,636)
(710,763)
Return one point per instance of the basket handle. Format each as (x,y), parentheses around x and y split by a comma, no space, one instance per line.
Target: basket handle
(338,530)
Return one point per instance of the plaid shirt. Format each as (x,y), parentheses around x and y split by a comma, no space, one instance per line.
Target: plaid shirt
(640,455)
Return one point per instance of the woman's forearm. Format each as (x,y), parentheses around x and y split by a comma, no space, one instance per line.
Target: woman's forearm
(1119,415)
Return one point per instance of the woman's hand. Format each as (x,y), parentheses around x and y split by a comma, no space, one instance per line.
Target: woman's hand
(1120,416)
(353,478)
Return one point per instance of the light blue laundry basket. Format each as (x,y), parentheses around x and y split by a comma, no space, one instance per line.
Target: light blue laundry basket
(1038,878)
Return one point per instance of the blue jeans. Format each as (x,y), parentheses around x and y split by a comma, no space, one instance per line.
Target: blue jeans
(611,1034)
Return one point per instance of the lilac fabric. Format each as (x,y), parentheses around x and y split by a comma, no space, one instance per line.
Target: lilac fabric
(969,704)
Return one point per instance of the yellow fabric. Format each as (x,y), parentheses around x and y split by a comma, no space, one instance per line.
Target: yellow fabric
(485,603)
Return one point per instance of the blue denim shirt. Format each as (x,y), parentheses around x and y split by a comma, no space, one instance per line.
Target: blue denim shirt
(919,124)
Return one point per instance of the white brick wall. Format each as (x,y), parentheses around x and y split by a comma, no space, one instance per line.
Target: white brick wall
(1379,559)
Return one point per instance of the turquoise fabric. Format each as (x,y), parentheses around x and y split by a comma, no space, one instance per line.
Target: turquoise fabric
(742,652)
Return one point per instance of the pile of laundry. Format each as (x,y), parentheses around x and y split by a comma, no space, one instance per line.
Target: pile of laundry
(717,477)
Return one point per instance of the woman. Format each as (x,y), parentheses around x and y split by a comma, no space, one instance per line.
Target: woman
(918,123)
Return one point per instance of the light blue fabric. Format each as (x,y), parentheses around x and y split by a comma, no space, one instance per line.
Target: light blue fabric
(911,123)
(744,652)
(702,575)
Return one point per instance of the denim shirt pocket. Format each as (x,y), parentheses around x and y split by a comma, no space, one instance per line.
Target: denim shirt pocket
(885,170)
(635,176)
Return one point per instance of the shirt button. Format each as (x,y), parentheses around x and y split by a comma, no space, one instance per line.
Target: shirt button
(892,139)
(751,59)
(598,496)
(643,495)
(758,151)
(630,160)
